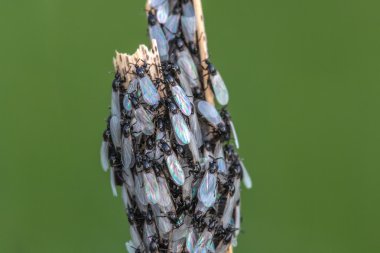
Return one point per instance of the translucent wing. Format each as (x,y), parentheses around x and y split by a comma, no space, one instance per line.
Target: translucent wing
(151,188)
(149,232)
(185,84)
(171,26)
(206,159)
(115,131)
(203,241)
(234,241)
(127,104)
(180,233)
(126,152)
(137,128)
(237,220)
(181,99)
(188,68)
(164,224)
(156,3)
(180,128)
(220,89)
(104,156)
(196,129)
(189,28)
(113,183)
(175,169)
(145,120)
(246,177)
(156,33)
(125,197)
(201,207)
(222,247)
(130,247)
(208,111)
(177,245)
(237,190)
(234,134)
(165,200)
(191,239)
(115,103)
(211,247)
(158,154)
(230,205)
(222,167)
(149,91)
(128,181)
(208,189)
(163,12)
(187,188)
(135,236)
(188,9)
(133,85)
(194,149)
(140,193)
(227,214)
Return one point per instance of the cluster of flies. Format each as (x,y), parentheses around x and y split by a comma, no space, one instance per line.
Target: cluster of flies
(172,152)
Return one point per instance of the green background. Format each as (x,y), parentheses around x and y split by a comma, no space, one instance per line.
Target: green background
(304,83)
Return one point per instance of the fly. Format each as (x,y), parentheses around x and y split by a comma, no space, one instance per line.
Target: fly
(142,117)
(196,128)
(179,95)
(188,22)
(209,112)
(218,85)
(155,32)
(152,192)
(232,198)
(172,23)
(149,92)
(208,188)
(127,155)
(230,125)
(186,64)
(175,169)
(181,130)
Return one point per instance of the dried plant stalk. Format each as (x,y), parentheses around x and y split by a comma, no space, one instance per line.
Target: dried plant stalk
(203,51)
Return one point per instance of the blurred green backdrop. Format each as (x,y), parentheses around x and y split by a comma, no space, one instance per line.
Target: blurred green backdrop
(305,84)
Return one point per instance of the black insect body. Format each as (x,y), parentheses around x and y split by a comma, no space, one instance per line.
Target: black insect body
(154,244)
(230,128)
(117,82)
(165,147)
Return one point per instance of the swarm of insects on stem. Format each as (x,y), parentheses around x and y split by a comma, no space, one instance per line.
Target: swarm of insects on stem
(168,147)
